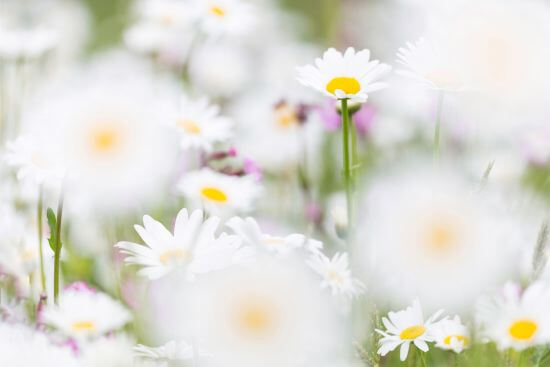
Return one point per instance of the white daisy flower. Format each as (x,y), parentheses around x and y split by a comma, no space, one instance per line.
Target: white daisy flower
(219,193)
(171,351)
(451,334)
(427,64)
(249,231)
(84,314)
(225,17)
(200,124)
(405,327)
(348,76)
(336,274)
(194,247)
(515,319)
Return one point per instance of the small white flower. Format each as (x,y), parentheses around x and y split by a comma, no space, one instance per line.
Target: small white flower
(84,314)
(405,327)
(336,274)
(451,334)
(249,231)
(225,17)
(514,319)
(219,193)
(193,248)
(200,125)
(348,76)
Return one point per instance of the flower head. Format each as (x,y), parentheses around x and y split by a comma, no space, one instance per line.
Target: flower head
(451,334)
(336,274)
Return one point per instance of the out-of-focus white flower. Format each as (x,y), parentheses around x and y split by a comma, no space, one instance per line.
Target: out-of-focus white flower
(34,161)
(219,193)
(26,347)
(24,43)
(249,231)
(336,217)
(348,76)
(200,124)
(21,258)
(156,40)
(171,351)
(451,334)
(434,235)
(194,247)
(428,66)
(405,327)
(225,17)
(84,314)
(513,319)
(270,312)
(112,351)
(336,274)
(169,13)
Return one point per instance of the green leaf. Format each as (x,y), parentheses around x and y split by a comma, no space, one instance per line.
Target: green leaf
(52,223)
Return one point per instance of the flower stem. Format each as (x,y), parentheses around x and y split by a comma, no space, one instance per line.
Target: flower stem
(437,130)
(39,211)
(422,357)
(347,164)
(57,253)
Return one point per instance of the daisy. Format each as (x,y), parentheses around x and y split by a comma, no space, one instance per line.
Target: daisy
(249,231)
(200,125)
(405,327)
(348,76)
(336,274)
(225,17)
(426,64)
(85,314)
(218,192)
(451,334)
(171,351)
(515,319)
(194,247)
(109,351)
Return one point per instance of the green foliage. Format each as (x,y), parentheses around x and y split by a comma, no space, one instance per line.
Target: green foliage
(52,223)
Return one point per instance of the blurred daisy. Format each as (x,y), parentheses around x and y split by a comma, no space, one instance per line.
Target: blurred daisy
(225,17)
(26,43)
(110,351)
(451,334)
(219,193)
(171,351)
(170,13)
(249,231)
(428,66)
(85,314)
(200,125)
(336,274)
(348,76)
(405,327)
(513,319)
(194,247)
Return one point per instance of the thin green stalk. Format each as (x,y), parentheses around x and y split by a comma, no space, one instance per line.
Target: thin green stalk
(347,163)
(422,358)
(57,253)
(39,222)
(354,154)
(437,130)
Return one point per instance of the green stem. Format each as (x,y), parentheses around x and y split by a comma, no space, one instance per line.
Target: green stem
(422,357)
(347,164)
(40,252)
(437,130)
(354,154)
(57,254)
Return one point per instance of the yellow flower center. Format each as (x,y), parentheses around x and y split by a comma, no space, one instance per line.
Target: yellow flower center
(285,116)
(83,326)
(105,140)
(412,332)
(28,255)
(214,194)
(346,84)
(461,338)
(335,276)
(171,255)
(190,127)
(255,318)
(218,11)
(523,329)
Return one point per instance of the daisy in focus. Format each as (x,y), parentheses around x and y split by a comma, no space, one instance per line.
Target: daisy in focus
(405,327)
(249,231)
(351,75)
(200,125)
(85,314)
(219,193)
(336,274)
(516,319)
(194,247)
(451,334)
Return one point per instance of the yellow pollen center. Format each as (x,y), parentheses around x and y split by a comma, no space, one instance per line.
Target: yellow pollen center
(170,255)
(285,116)
(214,194)
(83,326)
(412,332)
(346,84)
(218,11)
(190,127)
(255,319)
(334,276)
(523,329)
(461,338)
(105,140)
